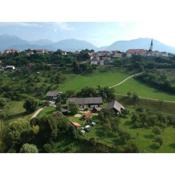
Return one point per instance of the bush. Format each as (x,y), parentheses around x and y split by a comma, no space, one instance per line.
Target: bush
(30,105)
(156,130)
(28,148)
(3,102)
(158,139)
(155,145)
(73,108)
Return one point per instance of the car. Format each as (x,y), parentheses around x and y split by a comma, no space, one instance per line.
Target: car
(82,131)
(82,128)
(87,128)
(93,123)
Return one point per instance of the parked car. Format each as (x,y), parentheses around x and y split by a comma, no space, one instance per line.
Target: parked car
(87,128)
(93,123)
(82,131)
(82,128)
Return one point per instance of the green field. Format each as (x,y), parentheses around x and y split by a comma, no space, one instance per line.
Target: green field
(76,82)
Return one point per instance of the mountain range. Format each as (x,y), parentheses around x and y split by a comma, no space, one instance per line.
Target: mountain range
(10,41)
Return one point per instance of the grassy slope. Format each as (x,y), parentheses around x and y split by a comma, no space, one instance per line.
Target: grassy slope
(143,138)
(15,110)
(143,90)
(76,82)
(14,107)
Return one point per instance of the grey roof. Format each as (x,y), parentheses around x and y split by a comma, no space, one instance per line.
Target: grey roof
(86,100)
(52,93)
(115,105)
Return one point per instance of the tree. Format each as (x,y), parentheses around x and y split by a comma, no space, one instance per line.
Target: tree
(73,108)
(106,93)
(135,98)
(29,148)
(3,102)
(30,105)
(87,92)
(158,139)
(129,94)
(156,130)
(15,132)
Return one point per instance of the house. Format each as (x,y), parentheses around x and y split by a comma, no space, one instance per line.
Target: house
(40,51)
(86,102)
(29,52)
(10,51)
(53,95)
(116,106)
(117,54)
(94,61)
(142,52)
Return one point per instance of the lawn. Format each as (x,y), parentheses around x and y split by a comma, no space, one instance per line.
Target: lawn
(77,82)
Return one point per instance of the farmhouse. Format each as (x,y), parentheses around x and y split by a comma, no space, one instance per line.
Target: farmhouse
(116,106)
(52,95)
(88,102)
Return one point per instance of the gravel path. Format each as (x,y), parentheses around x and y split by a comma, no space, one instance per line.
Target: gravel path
(120,83)
(36,113)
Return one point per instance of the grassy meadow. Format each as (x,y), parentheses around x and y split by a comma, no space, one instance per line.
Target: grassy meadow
(76,82)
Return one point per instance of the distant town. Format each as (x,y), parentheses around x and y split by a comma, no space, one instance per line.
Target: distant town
(95,57)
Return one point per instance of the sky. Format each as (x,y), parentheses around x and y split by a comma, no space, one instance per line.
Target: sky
(98,33)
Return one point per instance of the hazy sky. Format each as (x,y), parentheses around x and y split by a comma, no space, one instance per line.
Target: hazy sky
(98,33)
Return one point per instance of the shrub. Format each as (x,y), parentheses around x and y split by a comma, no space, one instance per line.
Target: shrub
(156,130)
(73,108)
(30,105)
(28,148)
(158,139)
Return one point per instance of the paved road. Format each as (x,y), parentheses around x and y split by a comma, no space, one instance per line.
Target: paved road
(36,113)
(120,83)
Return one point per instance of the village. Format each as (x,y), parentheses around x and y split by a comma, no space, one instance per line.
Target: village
(100,58)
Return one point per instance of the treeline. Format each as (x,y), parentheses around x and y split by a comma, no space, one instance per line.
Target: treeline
(138,63)
(157,80)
